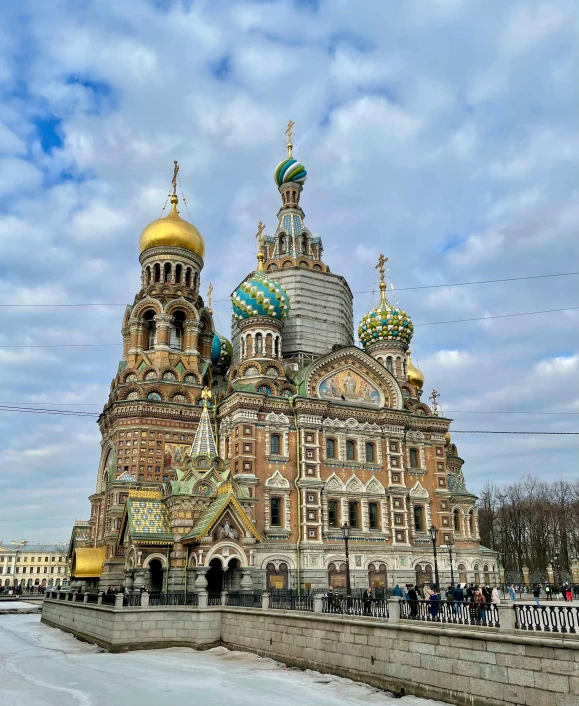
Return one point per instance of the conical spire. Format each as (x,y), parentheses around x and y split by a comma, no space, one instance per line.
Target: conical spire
(204,443)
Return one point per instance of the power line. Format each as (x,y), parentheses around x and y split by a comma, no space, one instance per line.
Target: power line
(532,433)
(368,291)
(429,323)
(468,411)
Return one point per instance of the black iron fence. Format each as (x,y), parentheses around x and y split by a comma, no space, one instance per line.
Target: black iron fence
(213,599)
(169,599)
(289,600)
(132,600)
(108,598)
(482,614)
(243,599)
(372,607)
(92,597)
(555,618)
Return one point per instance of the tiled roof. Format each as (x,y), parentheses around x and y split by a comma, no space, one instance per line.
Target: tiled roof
(148,519)
(204,443)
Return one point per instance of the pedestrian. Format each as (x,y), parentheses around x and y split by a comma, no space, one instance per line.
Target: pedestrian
(331,596)
(427,592)
(367,599)
(537,593)
(569,594)
(397,592)
(413,601)
(479,603)
(495,596)
(512,594)
(434,600)
(548,592)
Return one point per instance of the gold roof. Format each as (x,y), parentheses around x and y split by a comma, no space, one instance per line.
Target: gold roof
(172,231)
(414,376)
(87,563)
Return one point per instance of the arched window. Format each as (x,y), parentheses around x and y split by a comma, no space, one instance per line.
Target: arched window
(332,513)
(177,331)
(389,364)
(227,443)
(275,444)
(157,272)
(243,348)
(399,367)
(258,343)
(462,573)
(456,520)
(330,448)
(351,450)
(282,244)
(413,458)
(418,518)
(188,277)
(148,275)
(476,573)
(276,348)
(471,522)
(178,273)
(150,329)
(373,515)
(304,245)
(487,575)
(275,512)
(167,272)
(370,452)
(354,514)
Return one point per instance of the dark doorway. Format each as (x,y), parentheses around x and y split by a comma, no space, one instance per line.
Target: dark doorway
(156,569)
(233,575)
(215,576)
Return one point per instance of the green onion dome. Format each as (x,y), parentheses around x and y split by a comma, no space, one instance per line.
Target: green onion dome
(290,170)
(385,323)
(221,351)
(260,296)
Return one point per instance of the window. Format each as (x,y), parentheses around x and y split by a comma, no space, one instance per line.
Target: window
(471,522)
(275,514)
(373,515)
(331,448)
(259,343)
(353,514)
(413,458)
(350,450)
(370,455)
(275,439)
(389,364)
(332,513)
(418,524)
(456,521)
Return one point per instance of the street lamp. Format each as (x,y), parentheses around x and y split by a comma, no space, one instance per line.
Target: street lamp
(346,537)
(556,567)
(449,544)
(433,535)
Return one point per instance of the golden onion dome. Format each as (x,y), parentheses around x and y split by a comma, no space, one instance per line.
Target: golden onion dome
(413,375)
(172,231)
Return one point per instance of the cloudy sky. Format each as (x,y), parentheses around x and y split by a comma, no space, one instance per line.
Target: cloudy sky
(440,132)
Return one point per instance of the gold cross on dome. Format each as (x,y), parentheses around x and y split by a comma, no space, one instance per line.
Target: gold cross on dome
(210,297)
(380,266)
(434,398)
(174,180)
(259,234)
(290,134)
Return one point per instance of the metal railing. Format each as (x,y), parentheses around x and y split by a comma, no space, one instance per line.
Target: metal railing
(132,600)
(161,599)
(243,600)
(214,599)
(92,597)
(288,600)
(481,614)
(555,618)
(373,607)
(108,598)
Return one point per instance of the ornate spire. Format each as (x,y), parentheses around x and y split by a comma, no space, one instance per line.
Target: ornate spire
(259,237)
(434,399)
(290,133)
(210,297)
(204,443)
(380,267)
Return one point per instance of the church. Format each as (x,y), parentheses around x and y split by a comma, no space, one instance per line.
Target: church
(234,464)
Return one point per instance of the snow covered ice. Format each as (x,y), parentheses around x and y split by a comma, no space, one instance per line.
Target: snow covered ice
(46,667)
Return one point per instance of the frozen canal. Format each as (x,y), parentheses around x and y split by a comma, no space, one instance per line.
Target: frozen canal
(43,666)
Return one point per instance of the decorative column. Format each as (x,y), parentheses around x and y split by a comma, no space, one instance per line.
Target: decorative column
(191,337)
(136,330)
(163,323)
(246,580)
(201,580)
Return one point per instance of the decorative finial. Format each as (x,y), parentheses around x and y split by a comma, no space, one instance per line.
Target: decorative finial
(206,394)
(380,267)
(434,398)
(210,297)
(174,181)
(290,133)
(259,237)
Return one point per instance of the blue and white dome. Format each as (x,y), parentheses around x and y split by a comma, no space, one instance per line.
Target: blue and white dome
(290,170)
(260,296)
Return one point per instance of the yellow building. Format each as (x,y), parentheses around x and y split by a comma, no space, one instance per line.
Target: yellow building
(33,566)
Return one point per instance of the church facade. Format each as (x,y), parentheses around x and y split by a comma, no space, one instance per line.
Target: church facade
(235,465)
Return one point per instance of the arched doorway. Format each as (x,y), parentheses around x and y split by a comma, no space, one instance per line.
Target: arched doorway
(215,576)
(277,579)
(462,573)
(337,576)
(156,569)
(232,575)
(377,578)
(423,574)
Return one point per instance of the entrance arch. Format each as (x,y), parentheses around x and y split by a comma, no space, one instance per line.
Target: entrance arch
(215,576)
(156,569)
